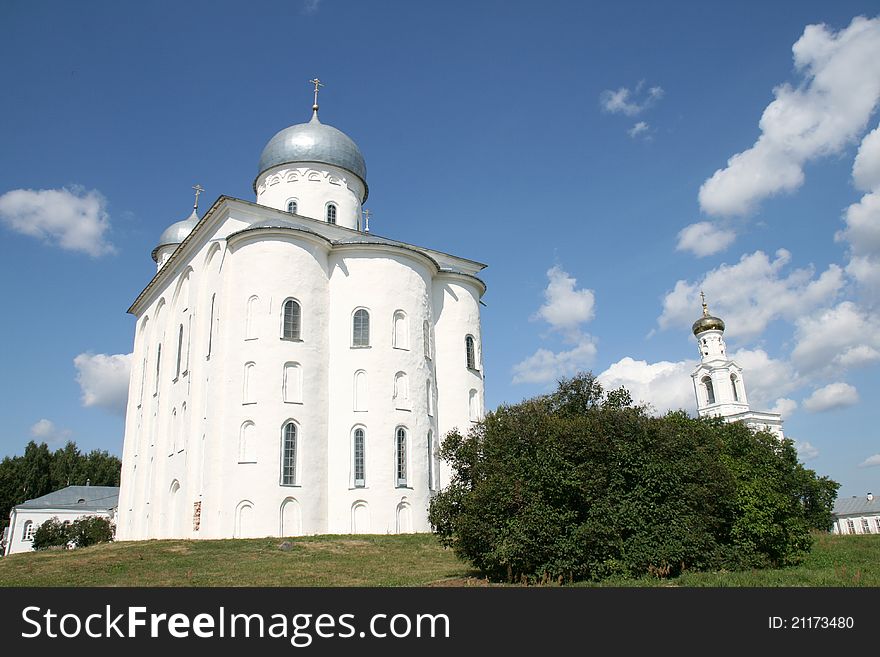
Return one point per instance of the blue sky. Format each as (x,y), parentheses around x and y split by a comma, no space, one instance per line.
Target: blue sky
(606,160)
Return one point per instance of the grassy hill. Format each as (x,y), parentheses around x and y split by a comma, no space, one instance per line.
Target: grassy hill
(411,560)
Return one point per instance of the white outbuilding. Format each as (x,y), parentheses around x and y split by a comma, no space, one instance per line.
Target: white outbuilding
(67,504)
(292,372)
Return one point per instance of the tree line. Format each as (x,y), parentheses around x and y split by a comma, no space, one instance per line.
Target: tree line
(40,471)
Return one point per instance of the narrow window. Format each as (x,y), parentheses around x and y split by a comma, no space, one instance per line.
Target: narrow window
(429,391)
(292,384)
(473,405)
(733,386)
(865,528)
(158,364)
(331,213)
(250,328)
(360,391)
(850,526)
(401,391)
(179,351)
(292,320)
(877,522)
(358,456)
(430,460)
(360,335)
(710,391)
(246,445)
(172,447)
(399,337)
(288,455)
(400,453)
(211,326)
(247,384)
(291,207)
(426,338)
(27,533)
(470,353)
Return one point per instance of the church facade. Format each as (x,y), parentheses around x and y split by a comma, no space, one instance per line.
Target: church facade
(719,386)
(293,373)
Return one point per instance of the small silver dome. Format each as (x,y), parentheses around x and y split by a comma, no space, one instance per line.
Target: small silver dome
(177,232)
(314,142)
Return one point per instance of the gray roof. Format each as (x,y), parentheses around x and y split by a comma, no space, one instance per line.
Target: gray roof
(856,506)
(94,498)
(314,142)
(177,232)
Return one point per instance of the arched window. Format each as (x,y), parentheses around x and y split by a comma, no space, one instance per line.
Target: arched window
(358,457)
(172,439)
(27,533)
(426,338)
(360,329)
(292,383)
(401,390)
(400,334)
(211,325)
(710,391)
(158,365)
(429,392)
(400,457)
(470,352)
(473,405)
(360,391)
(179,351)
(291,206)
(331,213)
(733,386)
(288,455)
(246,446)
(291,322)
(250,322)
(247,384)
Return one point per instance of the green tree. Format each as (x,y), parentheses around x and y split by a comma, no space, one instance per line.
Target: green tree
(39,471)
(580,484)
(90,530)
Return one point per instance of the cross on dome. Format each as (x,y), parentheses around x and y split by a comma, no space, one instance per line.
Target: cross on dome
(317,84)
(199,189)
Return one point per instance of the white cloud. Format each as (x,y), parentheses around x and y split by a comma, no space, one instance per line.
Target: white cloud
(766,379)
(103,380)
(664,385)
(704,238)
(836,339)
(870,462)
(785,407)
(866,168)
(46,430)
(544,365)
(831,107)
(637,129)
(806,451)
(832,396)
(862,220)
(630,103)
(751,293)
(565,307)
(71,218)
(311,6)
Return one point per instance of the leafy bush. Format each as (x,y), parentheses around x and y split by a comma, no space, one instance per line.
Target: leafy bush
(583,485)
(82,532)
(90,530)
(52,533)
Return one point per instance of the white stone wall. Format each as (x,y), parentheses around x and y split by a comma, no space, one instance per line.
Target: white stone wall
(183,430)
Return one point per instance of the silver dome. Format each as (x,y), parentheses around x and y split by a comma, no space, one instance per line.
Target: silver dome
(177,232)
(314,142)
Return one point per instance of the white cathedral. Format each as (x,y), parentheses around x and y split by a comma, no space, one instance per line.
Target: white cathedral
(718,381)
(293,373)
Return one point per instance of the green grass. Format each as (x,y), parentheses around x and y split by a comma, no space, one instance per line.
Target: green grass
(410,560)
